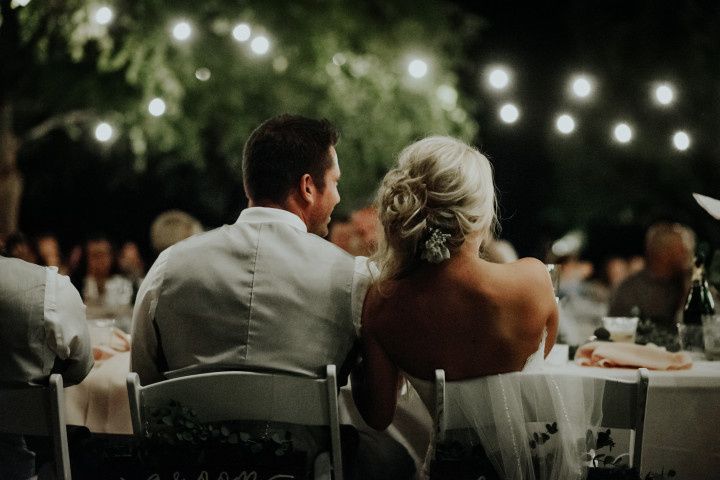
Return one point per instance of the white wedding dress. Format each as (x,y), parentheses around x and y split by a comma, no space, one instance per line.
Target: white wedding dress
(500,409)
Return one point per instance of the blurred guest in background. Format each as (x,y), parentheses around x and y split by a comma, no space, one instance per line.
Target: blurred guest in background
(106,293)
(42,331)
(358,235)
(170,227)
(131,264)
(658,291)
(48,249)
(499,251)
(17,245)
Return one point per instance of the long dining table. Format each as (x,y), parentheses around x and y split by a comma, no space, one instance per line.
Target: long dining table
(682,419)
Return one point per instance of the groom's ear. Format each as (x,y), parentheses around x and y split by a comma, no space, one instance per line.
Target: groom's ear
(307,188)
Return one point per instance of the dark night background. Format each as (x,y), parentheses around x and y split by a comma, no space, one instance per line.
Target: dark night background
(547,184)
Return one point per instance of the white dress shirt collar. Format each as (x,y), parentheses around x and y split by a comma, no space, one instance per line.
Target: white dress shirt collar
(265,214)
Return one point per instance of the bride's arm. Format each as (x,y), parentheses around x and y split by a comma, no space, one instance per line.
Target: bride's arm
(374,384)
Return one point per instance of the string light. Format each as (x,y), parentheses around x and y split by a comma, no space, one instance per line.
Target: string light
(509,113)
(417,68)
(103,15)
(103,132)
(260,45)
(182,31)
(156,107)
(202,74)
(241,32)
(664,94)
(499,78)
(565,124)
(622,132)
(681,141)
(581,86)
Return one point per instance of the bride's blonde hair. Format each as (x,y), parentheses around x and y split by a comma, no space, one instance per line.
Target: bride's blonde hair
(439,183)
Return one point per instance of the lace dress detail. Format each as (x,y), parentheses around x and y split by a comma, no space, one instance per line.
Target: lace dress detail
(501,412)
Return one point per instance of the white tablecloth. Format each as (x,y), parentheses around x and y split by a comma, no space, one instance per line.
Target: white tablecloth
(682,420)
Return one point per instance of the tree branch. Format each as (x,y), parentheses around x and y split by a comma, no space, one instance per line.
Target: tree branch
(58,121)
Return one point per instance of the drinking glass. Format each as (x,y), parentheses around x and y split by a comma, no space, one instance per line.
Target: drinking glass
(711,336)
(101,331)
(622,329)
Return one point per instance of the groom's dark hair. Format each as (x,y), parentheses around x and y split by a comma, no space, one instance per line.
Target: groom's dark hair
(283,149)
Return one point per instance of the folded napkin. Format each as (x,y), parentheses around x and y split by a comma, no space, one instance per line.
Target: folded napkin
(119,342)
(630,355)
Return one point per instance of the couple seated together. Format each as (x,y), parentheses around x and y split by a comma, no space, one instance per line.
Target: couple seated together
(269,293)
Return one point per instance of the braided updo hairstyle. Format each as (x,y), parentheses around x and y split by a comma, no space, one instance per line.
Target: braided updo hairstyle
(439,183)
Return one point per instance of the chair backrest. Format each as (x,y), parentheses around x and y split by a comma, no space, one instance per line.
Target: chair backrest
(623,407)
(35,410)
(241,395)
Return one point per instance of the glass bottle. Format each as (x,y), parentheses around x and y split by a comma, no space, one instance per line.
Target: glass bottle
(699,302)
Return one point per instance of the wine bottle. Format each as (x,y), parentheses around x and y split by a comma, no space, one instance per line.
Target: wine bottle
(699,301)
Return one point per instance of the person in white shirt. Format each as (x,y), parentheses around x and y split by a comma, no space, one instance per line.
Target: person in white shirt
(42,331)
(267,292)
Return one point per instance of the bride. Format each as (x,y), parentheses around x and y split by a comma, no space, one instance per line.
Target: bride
(436,303)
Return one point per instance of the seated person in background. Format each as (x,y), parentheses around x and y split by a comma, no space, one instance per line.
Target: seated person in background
(658,291)
(42,331)
(17,245)
(170,227)
(106,293)
(48,249)
(499,251)
(436,303)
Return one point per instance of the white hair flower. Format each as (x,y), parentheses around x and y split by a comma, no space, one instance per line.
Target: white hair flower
(435,249)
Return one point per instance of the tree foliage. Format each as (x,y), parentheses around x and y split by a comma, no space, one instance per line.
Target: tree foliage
(346,61)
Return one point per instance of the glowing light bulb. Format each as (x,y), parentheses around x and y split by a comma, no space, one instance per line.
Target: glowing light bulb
(509,113)
(664,94)
(241,32)
(681,140)
(582,87)
(202,74)
(156,107)
(260,45)
(565,124)
(103,132)
(499,79)
(104,15)
(182,31)
(622,132)
(417,68)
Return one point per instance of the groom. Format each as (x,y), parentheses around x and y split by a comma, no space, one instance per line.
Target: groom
(267,292)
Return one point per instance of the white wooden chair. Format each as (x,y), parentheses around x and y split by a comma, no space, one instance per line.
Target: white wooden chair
(623,408)
(242,395)
(38,411)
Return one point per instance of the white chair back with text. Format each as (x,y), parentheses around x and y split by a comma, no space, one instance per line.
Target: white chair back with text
(242,395)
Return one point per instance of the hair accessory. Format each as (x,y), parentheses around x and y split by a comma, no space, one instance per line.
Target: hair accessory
(435,248)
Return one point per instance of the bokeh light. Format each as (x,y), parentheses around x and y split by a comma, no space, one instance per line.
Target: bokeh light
(181,31)
(242,32)
(103,132)
(622,132)
(156,107)
(509,113)
(202,74)
(582,86)
(499,78)
(417,68)
(681,140)
(260,45)
(664,94)
(565,124)
(103,15)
